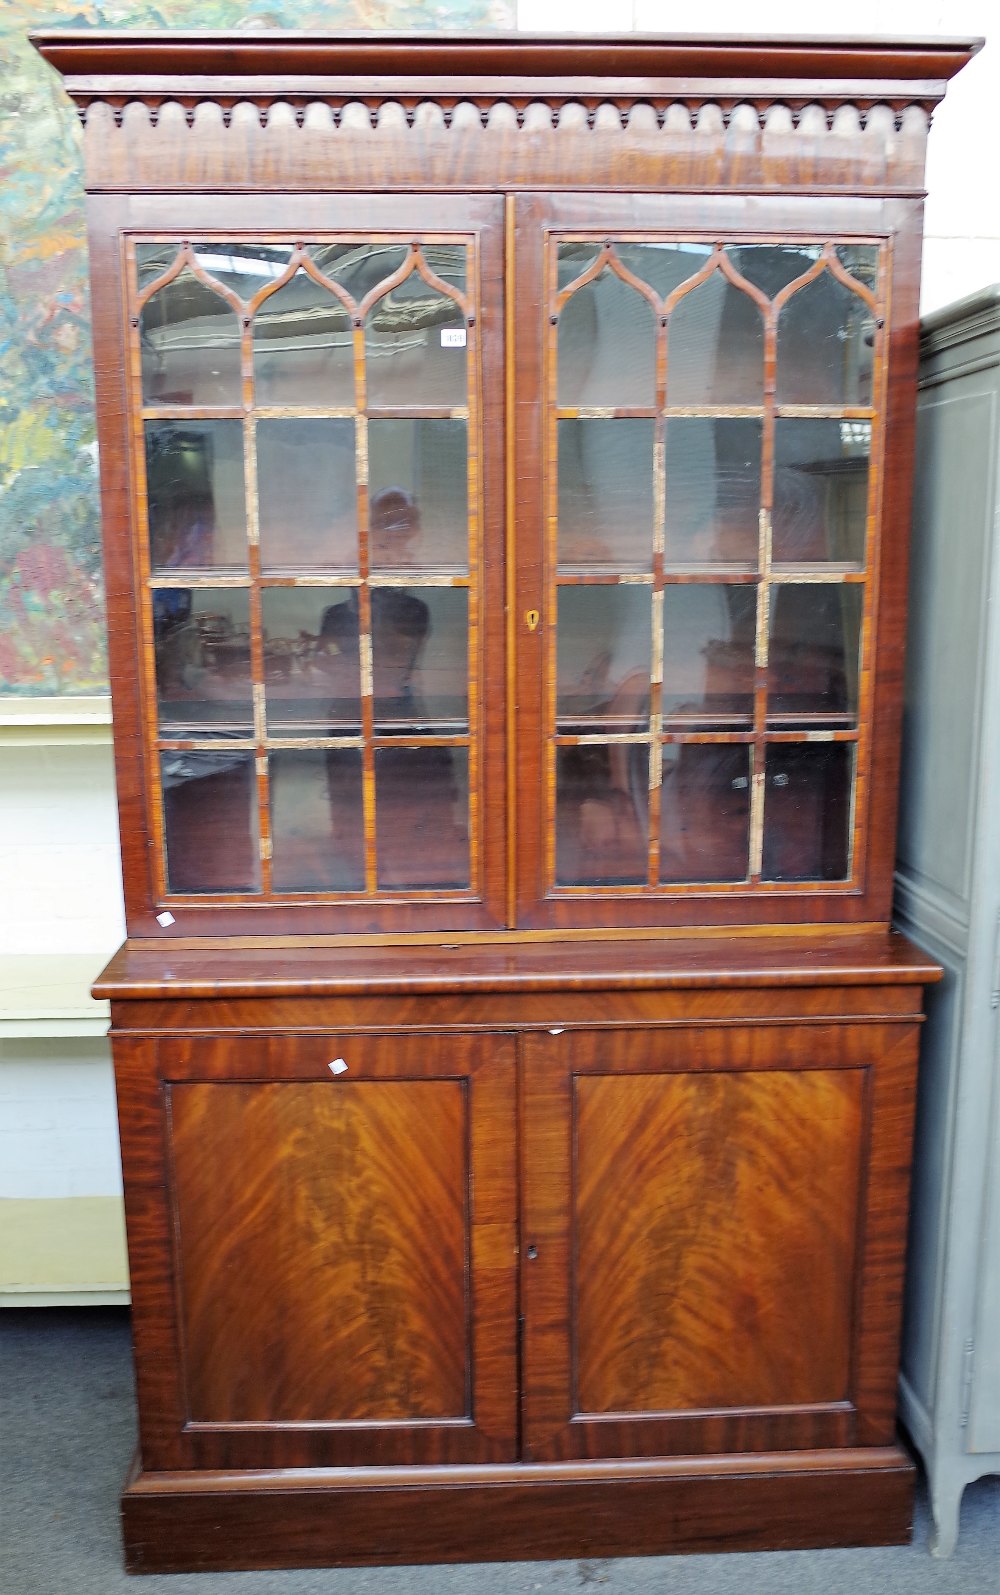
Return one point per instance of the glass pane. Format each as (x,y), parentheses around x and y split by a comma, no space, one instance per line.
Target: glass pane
(713,491)
(415,339)
(708,653)
(807,811)
(418,477)
(317,823)
(307,494)
(420,658)
(826,335)
(861,260)
(196,495)
(664,266)
(607,346)
(606,494)
(422,817)
(813,654)
(771,267)
(241,267)
(604,659)
(602,814)
(312,670)
(705,812)
(820,490)
(210,821)
(574,259)
(715,347)
(359,267)
(202,648)
(303,347)
(190,341)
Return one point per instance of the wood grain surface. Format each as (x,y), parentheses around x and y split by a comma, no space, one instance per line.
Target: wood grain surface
(178,1522)
(322,1249)
(715,1229)
(323,1265)
(716,1219)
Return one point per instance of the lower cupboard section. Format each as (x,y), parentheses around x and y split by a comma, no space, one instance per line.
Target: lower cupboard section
(440,1295)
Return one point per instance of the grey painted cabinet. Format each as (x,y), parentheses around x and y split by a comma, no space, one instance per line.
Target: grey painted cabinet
(948,898)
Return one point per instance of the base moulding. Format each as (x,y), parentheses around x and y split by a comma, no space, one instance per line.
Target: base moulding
(200,1521)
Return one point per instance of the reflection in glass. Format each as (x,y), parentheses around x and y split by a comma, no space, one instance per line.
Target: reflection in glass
(813,653)
(606,494)
(705,812)
(708,653)
(243,268)
(820,490)
(573,259)
(771,267)
(604,641)
(303,348)
(312,670)
(201,639)
(422,817)
(713,491)
(420,658)
(715,346)
(210,821)
(807,811)
(419,495)
(196,495)
(607,346)
(190,341)
(826,337)
(317,824)
(307,494)
(359,267)
(861,260)
(602,814)
(662,265)
(416,339)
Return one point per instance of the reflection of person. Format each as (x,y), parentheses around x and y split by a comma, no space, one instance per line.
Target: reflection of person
(182,532)
(400,622)
(415,787)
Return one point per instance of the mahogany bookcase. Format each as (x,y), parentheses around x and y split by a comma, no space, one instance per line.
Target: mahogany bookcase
(506,450)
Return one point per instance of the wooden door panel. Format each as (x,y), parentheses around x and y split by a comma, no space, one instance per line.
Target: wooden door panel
(334,1279)
(704,1265)
(323,1262)
(715,1220)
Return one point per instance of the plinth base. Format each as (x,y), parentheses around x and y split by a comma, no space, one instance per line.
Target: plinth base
(337,1517)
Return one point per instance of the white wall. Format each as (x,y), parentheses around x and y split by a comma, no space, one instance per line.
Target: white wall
(962,239)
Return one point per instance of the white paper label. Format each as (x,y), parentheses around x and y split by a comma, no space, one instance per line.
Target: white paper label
(338,1066)
(453,337)
(165,919)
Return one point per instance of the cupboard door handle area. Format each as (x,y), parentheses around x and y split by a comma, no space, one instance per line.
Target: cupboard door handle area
(531,1253)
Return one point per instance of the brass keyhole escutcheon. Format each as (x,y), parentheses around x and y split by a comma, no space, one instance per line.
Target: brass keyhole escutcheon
(532,618)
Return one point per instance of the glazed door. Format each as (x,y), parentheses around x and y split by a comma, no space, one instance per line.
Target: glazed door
(314,465)
(704,1232)
(331,1280)
(701,451)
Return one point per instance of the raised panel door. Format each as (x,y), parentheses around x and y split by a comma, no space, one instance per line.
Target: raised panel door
(703,1266)
(335,1260)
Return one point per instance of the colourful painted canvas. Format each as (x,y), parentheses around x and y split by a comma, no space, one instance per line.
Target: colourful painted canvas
(51,612)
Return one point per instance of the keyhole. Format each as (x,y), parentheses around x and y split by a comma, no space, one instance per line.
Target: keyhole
(532,1253)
